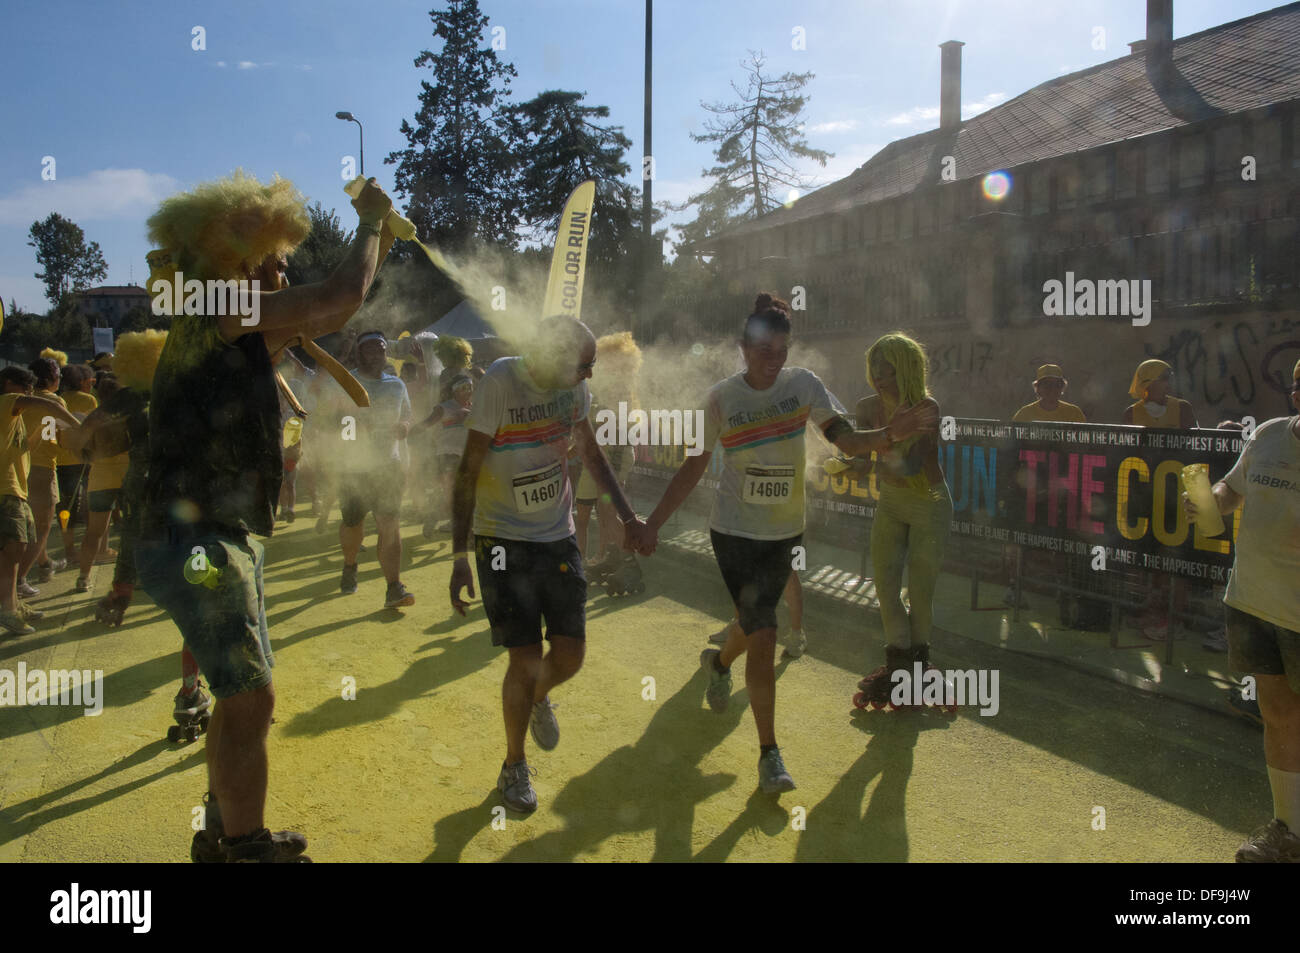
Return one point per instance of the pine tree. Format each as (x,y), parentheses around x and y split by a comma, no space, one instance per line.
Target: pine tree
(460,168)
(756,139)
(321,251)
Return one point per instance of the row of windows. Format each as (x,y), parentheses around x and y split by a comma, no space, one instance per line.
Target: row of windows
(1153,166)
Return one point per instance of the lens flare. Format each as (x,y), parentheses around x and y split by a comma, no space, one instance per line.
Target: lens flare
(697,349)
(997,185)
(791,197)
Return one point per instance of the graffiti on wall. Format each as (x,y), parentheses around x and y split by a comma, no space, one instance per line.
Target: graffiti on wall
(1233,364)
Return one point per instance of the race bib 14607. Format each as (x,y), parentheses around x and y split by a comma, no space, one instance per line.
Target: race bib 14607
(538,489)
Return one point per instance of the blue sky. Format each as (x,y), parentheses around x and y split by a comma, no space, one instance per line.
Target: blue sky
(130,112)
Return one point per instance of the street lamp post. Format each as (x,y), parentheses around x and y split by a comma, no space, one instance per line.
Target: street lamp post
(360,132)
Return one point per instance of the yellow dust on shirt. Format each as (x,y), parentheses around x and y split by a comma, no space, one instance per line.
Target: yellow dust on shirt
(1064,413)
(15,460)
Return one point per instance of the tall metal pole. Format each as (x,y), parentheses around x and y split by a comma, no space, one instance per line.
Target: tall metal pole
(647,224)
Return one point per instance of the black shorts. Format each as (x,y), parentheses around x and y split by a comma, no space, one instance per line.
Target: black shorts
(1262,648)
(72,479)
(756,572)
(531,582)
(378,492)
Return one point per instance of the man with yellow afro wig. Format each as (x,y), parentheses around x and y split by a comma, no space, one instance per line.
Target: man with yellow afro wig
(215,464)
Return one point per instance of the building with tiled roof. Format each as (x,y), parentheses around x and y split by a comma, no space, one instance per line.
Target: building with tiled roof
(106,306)
(1177,164)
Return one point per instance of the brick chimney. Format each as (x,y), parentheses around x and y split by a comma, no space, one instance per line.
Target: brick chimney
(950,85)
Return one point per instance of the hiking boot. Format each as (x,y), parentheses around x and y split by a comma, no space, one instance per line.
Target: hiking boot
(773,778)
(262,848)
(397,595)
(718,692)
(516,787)
(543,726)
(1271,844)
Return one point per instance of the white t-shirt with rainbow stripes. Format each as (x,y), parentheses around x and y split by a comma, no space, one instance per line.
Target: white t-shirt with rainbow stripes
(524,491)
(761,437)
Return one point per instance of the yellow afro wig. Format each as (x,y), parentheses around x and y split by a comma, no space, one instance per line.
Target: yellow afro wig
(136,358)
(618,364)
(222,230)
(59,357)
(453,351)
(907,358)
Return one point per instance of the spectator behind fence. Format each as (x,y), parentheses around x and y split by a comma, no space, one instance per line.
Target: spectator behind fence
(1262,610)
(1152,382)
(1050,385)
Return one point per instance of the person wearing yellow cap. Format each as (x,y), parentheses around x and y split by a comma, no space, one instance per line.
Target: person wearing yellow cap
(1262,609)
(1050,385)
(1155,406)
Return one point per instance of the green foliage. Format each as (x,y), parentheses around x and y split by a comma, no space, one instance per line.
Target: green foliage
(70,264)
(460,169)
(756,139)
(25,334)
(322,249)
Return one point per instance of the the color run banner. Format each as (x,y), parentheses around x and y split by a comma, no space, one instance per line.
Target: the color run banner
(1064,488)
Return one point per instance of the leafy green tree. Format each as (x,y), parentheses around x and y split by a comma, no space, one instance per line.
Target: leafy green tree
(459,171)
(70,264)
(322,249)
(756,139)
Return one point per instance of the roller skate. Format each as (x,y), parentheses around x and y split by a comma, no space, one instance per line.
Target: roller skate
(948,703)
(112,608)
(626,577)
(875,690)
(601,569)
(192,714)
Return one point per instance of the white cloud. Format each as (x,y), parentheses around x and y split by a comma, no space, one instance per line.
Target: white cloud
(837,125)
(914,116)
(979,106)
(221,63)
(1062,70)
(103,194)
(245,64)
(305,67)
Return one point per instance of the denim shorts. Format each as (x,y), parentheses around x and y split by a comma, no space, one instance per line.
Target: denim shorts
(523,583)
(223,621)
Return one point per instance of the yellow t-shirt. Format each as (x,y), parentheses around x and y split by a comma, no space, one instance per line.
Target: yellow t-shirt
(108,474)
(1064,413)
(80,404)
(14,458)
(44,452)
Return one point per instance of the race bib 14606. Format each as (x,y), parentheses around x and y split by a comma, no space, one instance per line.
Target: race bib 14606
(768,486)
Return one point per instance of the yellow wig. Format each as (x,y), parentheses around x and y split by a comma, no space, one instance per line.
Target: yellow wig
(618,365)
(59,357)
(453,351)
(907,358)
(1146,372)
(136,358)
(222,230)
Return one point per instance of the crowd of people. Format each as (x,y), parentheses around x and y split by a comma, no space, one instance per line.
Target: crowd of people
(201,437)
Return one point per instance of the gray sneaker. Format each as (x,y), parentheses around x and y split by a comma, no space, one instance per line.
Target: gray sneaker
(793,641)
(1271,844)
(720,637)
(516,787)
(12,622)
(543,726)
(27,590)
(348,584)
(773,778)
(718,692)
(397,595)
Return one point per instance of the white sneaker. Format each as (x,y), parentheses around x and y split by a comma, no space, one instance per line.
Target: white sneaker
(720,637)
(793,641)
(13,623)
(27,590)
